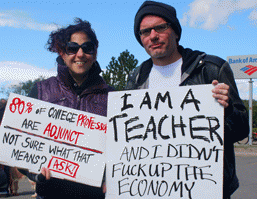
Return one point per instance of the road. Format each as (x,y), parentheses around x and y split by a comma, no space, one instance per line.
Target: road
(246,171)
(247,174)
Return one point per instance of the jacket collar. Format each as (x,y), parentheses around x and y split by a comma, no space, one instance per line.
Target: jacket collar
(190,58)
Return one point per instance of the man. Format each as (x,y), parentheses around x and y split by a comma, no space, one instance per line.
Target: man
(158,30)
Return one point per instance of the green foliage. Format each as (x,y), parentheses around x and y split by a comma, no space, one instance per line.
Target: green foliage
(246,103)
(118,70)
(254,116)
(254,111)
(23,88)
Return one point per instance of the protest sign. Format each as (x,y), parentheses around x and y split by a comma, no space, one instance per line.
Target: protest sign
(71,143)
(165,143)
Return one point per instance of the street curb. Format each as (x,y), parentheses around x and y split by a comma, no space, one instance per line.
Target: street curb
(246,150)
(245,153)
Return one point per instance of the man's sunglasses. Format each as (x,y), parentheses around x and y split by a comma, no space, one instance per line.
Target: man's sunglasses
(159,28)
(73,48)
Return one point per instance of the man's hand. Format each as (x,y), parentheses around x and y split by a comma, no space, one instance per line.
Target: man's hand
(221,93)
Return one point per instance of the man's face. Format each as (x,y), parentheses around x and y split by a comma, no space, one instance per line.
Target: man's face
(161,46)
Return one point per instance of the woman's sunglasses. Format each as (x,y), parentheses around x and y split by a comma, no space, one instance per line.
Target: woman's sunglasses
(73,48)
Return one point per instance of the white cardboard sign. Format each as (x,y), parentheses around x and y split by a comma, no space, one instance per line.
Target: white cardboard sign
(71,143)
(165,144)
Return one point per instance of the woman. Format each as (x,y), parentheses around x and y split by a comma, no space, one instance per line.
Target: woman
(78,85)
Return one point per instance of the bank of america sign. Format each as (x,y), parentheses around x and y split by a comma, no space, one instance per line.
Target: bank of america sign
(244,66)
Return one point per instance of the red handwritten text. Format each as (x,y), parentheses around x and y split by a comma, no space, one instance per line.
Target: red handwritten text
(59,133)
(88,122)
(19,105)
(29,109)
(63,166)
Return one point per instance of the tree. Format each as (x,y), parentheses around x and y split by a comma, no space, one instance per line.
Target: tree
(254,112)
(117,71)
(23,88)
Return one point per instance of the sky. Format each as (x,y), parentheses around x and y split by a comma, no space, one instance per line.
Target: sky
(218,27)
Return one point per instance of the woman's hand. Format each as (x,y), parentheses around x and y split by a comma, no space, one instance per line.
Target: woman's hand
(46,172)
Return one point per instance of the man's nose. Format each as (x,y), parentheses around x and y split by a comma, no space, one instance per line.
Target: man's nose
(154,35)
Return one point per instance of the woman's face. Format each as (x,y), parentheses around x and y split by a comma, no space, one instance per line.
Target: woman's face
(80,62)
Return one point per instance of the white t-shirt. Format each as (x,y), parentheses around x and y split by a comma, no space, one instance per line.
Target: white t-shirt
(165,76)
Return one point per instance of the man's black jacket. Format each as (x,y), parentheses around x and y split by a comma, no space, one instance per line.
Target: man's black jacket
(199,68)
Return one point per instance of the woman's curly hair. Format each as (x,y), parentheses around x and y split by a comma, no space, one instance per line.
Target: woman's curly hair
(58,39)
